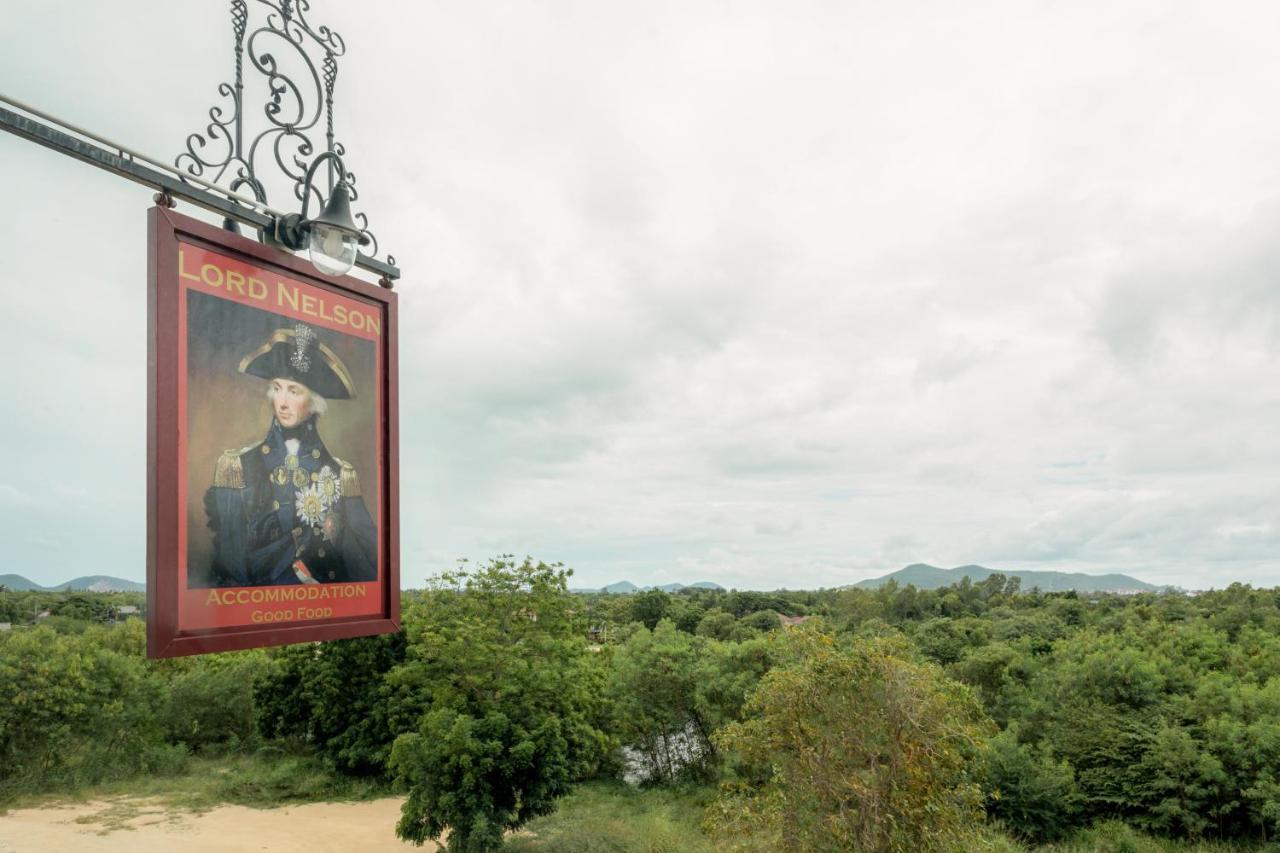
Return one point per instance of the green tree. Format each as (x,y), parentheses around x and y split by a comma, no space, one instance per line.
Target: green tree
(1181,783)
(653,690)
(855,748)
(686,612)
(649,607)
(334,695)
(941,640)
(761,621)
(498,660)
(727,673)
(211,700)
(716,624)
(76,708)
(1029,792)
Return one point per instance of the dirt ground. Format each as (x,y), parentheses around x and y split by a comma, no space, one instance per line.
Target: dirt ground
(149,826)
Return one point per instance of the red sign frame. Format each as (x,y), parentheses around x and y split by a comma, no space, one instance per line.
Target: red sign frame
(186,256)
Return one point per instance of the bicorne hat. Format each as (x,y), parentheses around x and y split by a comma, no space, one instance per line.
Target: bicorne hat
(299,355)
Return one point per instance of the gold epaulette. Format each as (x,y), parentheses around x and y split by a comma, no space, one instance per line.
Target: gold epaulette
(229,473)
(350,480)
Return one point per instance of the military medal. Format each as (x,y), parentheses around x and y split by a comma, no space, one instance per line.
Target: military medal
(309,505)
(330,486)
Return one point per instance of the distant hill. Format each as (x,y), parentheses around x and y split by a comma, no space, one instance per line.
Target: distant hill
(924,576)
(88,583)
(18,583)
(627,587)
(101,583)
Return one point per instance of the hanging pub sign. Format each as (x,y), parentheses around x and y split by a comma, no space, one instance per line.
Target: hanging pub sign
(272,491)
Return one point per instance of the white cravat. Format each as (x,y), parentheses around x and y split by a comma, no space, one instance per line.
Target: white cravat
(291,446)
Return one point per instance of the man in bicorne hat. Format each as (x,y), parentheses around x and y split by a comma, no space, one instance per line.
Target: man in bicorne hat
(285,510)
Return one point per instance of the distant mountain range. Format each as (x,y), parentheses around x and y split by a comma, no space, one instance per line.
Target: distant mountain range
(627,587)
(924,576)
(88,583)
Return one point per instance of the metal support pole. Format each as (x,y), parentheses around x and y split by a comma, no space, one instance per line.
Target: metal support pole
(126,165)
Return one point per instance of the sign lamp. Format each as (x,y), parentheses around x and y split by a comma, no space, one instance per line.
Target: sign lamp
(332,238)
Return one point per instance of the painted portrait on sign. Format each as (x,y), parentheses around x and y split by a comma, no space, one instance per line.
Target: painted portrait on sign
(282,417)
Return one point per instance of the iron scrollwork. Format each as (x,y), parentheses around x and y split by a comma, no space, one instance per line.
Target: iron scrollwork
(299,93)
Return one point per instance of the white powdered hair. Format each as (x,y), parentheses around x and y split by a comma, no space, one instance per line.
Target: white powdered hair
(316,404)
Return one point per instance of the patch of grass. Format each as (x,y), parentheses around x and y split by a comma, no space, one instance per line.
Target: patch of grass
(1117,837)
(609,817)
(264,782)
(266,779)
(605,817)
(120,812)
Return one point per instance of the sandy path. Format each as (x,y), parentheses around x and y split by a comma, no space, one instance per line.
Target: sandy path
(148,826)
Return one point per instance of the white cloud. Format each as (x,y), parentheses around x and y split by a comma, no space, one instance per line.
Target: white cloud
(763,296)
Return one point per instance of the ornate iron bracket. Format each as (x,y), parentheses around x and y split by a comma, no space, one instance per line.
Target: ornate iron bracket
(299,94)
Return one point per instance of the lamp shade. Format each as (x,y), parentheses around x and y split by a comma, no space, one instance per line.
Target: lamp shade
(333,235)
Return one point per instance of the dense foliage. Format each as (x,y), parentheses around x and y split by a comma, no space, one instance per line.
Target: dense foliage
(853,747)
(1051,713)
(83,706)
(508,696)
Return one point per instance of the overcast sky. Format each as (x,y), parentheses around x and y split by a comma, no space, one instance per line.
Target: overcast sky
(767,294)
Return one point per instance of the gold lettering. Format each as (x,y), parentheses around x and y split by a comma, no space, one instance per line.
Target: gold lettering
(357,319)
(310,592)
(271,615)
(235,281)
(308,304)
(182,267)
(375,325)
(216,281)
(257,289)
(286,294)
(340,314)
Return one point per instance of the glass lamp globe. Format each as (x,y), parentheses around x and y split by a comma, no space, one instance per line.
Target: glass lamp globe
(332,250)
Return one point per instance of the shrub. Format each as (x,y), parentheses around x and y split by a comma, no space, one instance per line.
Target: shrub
(500,663)
(1030,793)
(854,749)
(211,703)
